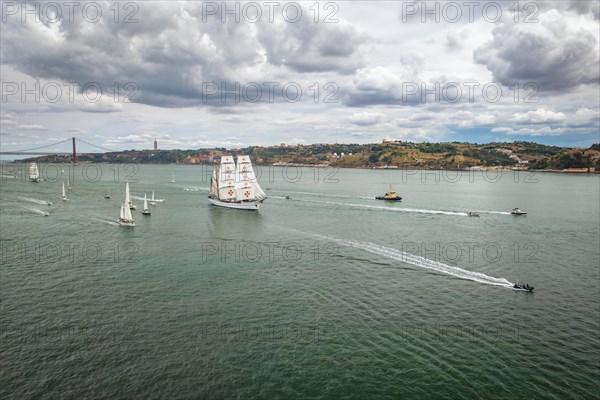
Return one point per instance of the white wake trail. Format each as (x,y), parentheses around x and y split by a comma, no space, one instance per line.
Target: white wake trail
(35,210)
(394,209)
(106,221)
(36,201)
(420,261)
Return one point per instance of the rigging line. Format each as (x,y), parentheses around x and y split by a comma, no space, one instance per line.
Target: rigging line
(41,147)
(94,145)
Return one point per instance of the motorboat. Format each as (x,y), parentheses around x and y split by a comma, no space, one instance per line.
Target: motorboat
(473,214)
(518,211)
(390,196)
(524,287)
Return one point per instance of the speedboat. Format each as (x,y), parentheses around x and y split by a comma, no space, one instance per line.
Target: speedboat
(524,287)
(390,196)
(518,211)
(473,214)
(46,213)
(288,197)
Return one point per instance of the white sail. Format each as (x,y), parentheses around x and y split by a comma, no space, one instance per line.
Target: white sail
(127,196)
(34,173)
(145,202)
(152,199)
(247,187)
(214,183)
(64,194)
(127,214)
(227,179)
(122,214)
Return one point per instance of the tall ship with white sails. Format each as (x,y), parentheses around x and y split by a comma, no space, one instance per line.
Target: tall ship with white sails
(235,185)
(34,173)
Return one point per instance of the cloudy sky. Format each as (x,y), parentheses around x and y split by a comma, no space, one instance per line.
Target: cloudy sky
(194,74)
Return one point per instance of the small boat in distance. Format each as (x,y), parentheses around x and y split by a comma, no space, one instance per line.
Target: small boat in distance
(473,214)
(128,198)
(390,195)
(34,173)
(146,210)
(45,213)
(64,193)
(125,218)
(107,195)
(288,197)
(517,211)
(152,200)
(172,178)
(235,185)
(525,287)
(68,184)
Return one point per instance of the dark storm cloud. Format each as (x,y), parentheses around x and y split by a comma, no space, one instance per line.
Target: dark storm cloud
(172,53)
(301,47)
(552,54)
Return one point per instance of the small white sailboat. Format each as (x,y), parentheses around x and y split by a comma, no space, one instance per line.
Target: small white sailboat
(64,193)
(68,184)
(146,210)
(34,173)
(128,198)
(152,200)
(235,185)
(172,178)
(125,218)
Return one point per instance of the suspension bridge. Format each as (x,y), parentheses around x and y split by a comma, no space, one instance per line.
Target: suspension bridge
(39,151)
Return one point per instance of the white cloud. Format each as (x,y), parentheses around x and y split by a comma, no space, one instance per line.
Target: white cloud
(539,116)
(366,118)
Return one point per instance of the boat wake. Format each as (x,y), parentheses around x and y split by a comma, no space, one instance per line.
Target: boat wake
(337,196)
(315,194)
(419,261)
(396,209)
(36,211)
(494,212)
(195,189)
(106,221)
(36,201)
(142,199)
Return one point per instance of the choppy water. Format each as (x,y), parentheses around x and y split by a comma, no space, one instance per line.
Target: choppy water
(330,294)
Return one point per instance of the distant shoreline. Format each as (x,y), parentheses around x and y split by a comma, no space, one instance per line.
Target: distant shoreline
(579,171)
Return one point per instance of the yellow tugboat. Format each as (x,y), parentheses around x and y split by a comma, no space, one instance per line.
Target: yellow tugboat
(391,195)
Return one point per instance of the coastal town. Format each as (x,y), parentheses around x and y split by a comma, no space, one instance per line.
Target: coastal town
(389,154)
